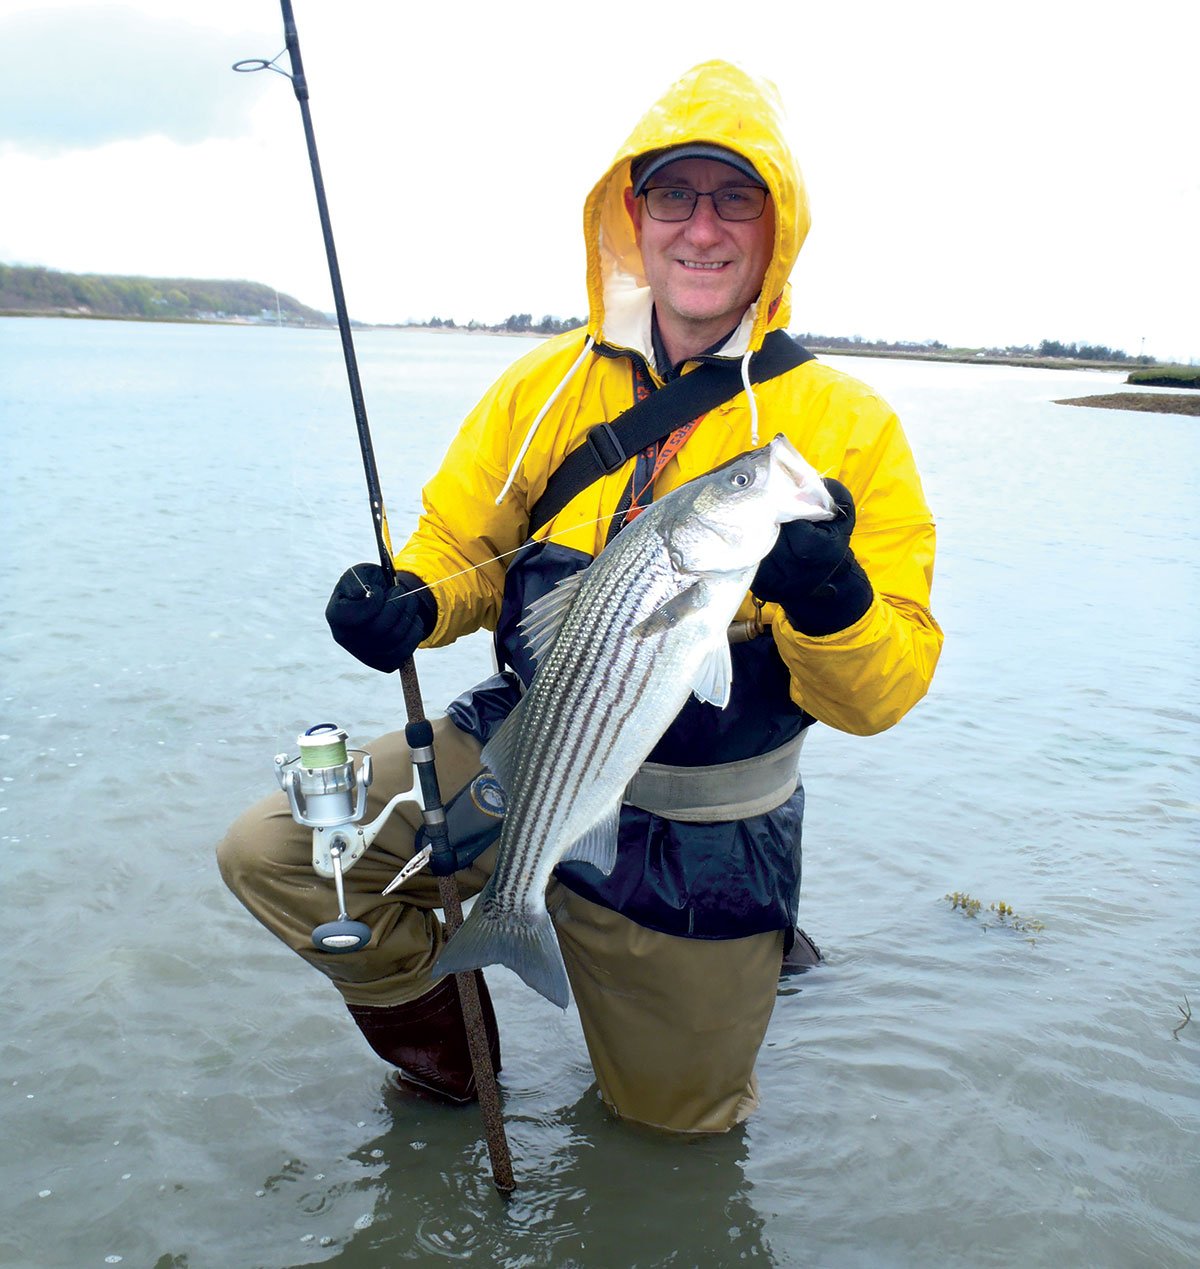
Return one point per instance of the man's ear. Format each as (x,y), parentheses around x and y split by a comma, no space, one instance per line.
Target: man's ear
(634,211)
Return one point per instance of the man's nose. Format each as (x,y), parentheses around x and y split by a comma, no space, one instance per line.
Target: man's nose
(704,224)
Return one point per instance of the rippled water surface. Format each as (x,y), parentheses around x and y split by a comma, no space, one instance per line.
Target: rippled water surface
(176,1090)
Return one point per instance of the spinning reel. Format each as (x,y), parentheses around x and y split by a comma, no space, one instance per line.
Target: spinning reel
(328,795)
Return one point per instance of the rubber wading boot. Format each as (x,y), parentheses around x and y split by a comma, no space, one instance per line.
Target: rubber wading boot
(427,1039)
(803,954)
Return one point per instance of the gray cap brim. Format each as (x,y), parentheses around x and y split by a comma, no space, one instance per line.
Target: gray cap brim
(646,165)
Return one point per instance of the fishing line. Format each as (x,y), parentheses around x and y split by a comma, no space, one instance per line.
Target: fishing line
(495,559)
(739,631)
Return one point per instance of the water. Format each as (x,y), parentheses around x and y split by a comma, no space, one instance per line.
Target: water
(177,1090)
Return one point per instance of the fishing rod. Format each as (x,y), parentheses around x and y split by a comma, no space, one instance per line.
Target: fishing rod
(418,732)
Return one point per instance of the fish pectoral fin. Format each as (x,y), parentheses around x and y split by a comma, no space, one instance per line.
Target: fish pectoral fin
(669,614)
(598,846)
(544,618)
(714,680)
(499,754)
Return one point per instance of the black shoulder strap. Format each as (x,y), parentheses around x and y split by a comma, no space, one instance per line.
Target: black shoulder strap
(609,445)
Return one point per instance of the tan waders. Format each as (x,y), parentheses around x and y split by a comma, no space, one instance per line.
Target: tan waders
(672,1025)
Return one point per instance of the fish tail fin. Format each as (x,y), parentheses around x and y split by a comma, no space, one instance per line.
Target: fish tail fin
(525,943)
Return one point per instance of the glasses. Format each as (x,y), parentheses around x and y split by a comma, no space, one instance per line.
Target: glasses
(676,202)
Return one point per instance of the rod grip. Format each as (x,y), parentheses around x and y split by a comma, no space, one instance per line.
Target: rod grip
(419,735)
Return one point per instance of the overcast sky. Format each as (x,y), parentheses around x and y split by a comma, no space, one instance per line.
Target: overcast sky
(979,174)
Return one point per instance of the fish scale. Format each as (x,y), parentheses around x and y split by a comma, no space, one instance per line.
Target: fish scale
(644,626)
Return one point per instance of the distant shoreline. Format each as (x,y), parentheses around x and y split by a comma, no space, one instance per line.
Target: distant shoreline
(968,357)
(1152,402)
(157,321)
(959,356)
(964,356)
(266,323)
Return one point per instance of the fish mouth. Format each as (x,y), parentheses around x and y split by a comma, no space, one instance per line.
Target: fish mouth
(808,499)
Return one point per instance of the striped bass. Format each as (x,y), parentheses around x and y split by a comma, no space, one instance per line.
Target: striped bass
(619,646)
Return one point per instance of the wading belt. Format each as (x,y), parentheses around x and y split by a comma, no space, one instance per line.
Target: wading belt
(713,794)
(610,445)
(727,791)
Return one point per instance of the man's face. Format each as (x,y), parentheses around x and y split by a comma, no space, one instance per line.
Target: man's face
(703,272)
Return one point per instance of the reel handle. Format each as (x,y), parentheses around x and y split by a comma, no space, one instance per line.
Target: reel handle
(342,935)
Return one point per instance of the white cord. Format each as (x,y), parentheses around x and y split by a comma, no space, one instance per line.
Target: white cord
(750,398)
(537,422)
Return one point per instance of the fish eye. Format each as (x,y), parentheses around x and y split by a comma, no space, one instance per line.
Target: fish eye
(740,479)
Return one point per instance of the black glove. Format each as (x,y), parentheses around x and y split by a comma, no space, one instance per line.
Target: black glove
(811,572)
(378,624)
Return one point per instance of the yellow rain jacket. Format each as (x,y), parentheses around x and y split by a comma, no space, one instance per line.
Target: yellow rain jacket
(862,679)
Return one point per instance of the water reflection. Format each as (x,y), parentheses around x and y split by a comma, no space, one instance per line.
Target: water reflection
(591,1191)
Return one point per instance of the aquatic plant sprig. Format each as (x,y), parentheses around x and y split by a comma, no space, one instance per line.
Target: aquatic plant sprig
(1186,1010)
(1006,916)
(970,907)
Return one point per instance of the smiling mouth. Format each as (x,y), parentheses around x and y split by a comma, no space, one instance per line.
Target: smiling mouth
(704,264)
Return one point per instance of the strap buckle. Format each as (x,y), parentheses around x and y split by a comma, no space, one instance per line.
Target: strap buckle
(605,448)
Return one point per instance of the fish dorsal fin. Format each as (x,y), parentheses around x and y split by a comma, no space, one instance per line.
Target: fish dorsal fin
(714,679)
(671,613)
(499,754)
(598,846)
(543,620)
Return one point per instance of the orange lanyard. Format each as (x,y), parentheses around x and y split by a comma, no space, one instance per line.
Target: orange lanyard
(670,447)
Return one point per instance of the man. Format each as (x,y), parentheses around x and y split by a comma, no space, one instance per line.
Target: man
(674,957)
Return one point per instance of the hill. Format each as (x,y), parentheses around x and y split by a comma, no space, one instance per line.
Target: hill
(47,292)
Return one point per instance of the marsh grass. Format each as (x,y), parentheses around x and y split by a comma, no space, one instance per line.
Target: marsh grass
(1166,377)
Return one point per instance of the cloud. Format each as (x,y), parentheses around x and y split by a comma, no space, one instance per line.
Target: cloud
(973,180)
(81,77)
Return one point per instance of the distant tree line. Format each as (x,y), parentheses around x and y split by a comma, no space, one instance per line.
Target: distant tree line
(26,289)
(1047,348)
(872,345)
(523,323)
(1088,352)
(514,323)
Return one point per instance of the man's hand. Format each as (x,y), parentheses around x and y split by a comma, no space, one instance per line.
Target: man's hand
(811,572)
(378,624)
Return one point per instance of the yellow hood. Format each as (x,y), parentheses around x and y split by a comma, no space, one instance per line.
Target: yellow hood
(717,103)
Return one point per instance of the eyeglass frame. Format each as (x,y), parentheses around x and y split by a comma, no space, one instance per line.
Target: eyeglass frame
(702,193)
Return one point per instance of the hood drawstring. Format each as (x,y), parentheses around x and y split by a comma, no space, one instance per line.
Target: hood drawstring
(589,344)
(750,398)
(541,414)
